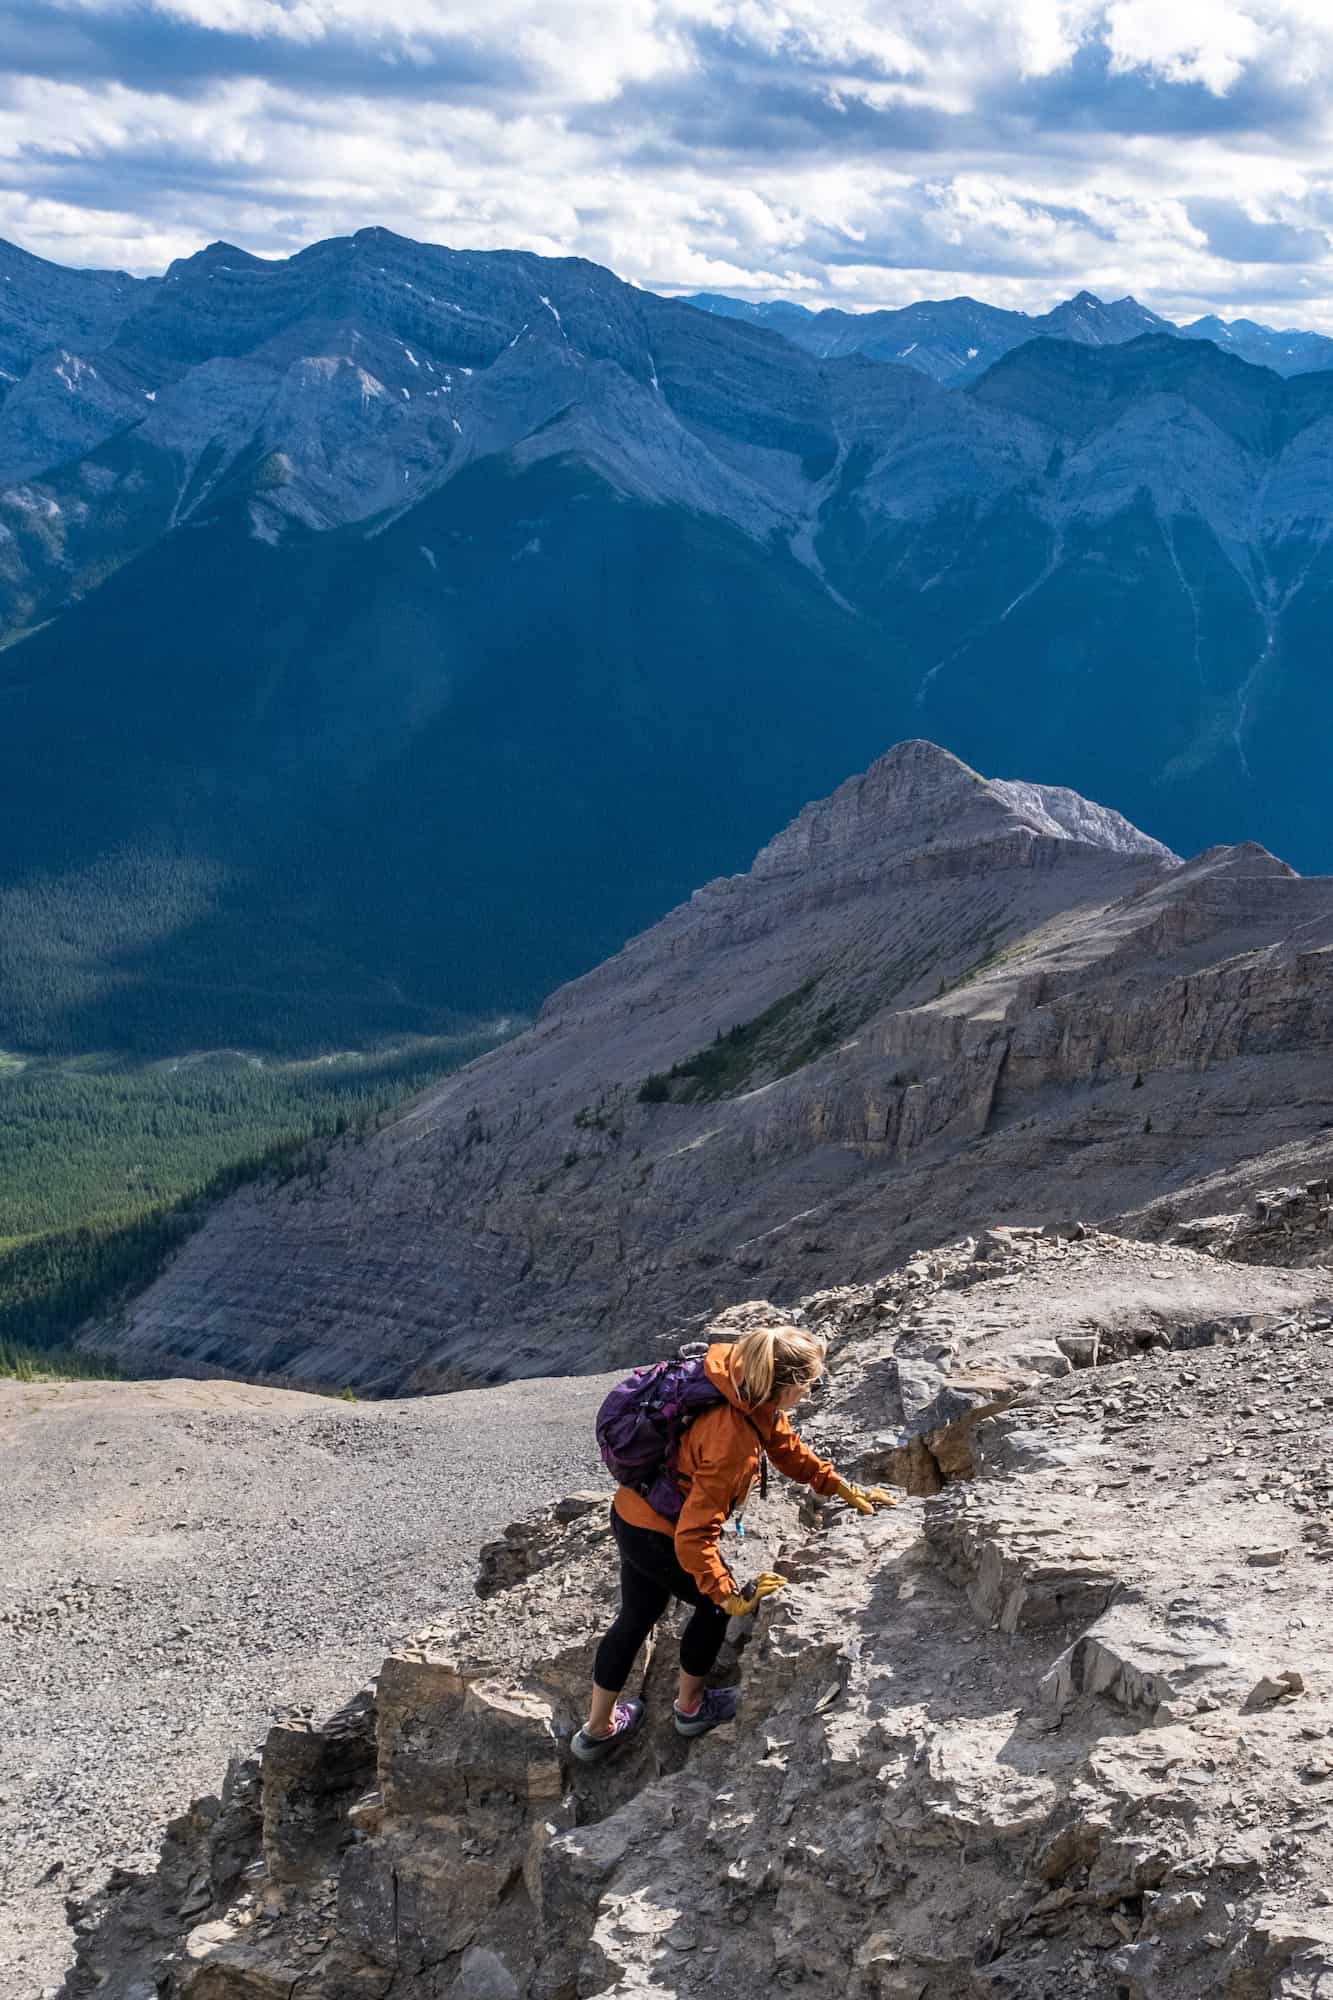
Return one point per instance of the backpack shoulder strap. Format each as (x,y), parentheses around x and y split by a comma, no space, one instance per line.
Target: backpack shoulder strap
(763,1454)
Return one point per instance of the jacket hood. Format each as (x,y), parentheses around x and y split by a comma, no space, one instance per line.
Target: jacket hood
(719,1367)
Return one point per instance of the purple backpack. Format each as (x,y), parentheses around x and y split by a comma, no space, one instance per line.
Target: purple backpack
(642,1421)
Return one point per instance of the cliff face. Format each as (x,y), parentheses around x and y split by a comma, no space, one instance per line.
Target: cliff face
(933,1002)
(1056,1724)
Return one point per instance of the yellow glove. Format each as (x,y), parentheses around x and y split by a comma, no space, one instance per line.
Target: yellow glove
(865,1499)
(738,1606)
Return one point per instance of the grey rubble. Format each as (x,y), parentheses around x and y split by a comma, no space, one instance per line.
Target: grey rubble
(1061,1725)
(1002,1003)
(181,1559)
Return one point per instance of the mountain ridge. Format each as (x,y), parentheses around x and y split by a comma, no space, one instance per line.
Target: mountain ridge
(320,629)
(956,340)
(921,1006)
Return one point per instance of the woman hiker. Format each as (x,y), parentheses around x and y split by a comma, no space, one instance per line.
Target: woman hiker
(761,1377)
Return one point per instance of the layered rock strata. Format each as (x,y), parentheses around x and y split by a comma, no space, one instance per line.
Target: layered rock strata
(933,1002)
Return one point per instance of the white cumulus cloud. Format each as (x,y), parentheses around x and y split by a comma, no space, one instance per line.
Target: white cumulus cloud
(864,151)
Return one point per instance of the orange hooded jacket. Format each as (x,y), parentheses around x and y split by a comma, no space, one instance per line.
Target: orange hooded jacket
(719,1460)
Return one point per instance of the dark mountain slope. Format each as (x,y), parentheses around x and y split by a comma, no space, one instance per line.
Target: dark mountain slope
(1079,391)
(422,622)
(1120,576)
(368,780)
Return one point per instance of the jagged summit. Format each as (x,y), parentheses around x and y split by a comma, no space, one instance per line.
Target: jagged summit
(913,798)
(917,815)
(919,797)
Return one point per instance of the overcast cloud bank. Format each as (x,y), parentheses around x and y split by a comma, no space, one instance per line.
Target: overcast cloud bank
(857,154)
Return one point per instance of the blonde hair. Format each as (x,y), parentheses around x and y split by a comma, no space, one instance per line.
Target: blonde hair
(773,1358)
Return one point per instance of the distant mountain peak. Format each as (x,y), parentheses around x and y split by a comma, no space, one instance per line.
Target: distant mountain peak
(214,254)
(919,796)
(955,341)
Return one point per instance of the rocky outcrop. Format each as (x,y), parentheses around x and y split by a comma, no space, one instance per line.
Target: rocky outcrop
(1285,1225)
(1059,1726)
(934,1003)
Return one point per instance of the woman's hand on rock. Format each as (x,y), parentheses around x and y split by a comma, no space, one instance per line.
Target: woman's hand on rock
(864,1499)
(742,1605)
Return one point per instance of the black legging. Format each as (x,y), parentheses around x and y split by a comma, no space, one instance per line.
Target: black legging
(650,1577)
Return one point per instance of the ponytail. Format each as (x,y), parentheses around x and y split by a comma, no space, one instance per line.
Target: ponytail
(773,1358)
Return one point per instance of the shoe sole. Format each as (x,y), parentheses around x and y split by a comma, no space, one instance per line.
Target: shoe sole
(597,1755)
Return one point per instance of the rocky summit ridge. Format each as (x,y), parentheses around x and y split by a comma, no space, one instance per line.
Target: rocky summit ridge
(934,1003)
(1058,1725)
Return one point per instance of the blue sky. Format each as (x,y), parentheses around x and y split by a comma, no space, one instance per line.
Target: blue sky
(832,151)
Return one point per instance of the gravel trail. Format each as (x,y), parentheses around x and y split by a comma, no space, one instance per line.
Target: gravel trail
(182,1559)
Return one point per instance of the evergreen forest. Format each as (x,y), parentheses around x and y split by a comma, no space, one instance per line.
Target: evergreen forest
(107,1164)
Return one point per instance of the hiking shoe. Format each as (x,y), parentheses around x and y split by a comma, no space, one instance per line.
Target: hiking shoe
(592,1749)
(718,1705)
